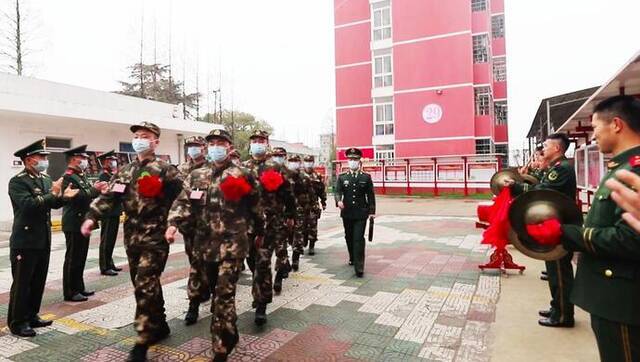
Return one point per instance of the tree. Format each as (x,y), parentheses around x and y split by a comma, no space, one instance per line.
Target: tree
(16,37)
(241,125)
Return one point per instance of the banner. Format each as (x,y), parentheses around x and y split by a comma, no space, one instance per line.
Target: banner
(395,173)
(421,173)
(453,172)
(481,171)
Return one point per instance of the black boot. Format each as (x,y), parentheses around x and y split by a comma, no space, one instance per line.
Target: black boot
(138,353)
(277,283)
(295,261)
(261,314)
(192,314)
(287,269)
(311,249)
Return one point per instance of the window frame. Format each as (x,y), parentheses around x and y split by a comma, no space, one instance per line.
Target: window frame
(478,5)
(500,31)
(500,69)
(501,112)
(481,146)
(383,29)
(390,153)
(481,48)
(482,109)
(384,122)
(383,76)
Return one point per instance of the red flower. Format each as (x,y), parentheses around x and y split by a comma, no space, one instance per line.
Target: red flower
(150,185)
(547,232)
(234,188)
(271,180)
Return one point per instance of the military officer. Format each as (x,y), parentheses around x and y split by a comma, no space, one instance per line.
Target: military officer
(111,222)
(304,195)
(560,177)
(356,200)
(222,200)
(607,283)
(73,214)
(311,225)
(198,286)
(278,202)
(146,187)
(32,195)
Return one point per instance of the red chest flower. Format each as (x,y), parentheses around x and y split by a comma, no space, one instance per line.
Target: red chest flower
(271,180)
(149,185)
(234,188)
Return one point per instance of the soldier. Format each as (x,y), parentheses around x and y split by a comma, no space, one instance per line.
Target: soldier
(278,203)
(283,267)
(311,225)
(73,214)
(111,222)
(560,177)
(221,200)
(146,187)
(198,287)
(304,194)
(356,200)
(234,155)
(32,195)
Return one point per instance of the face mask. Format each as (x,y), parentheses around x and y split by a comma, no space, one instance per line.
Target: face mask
(308,164)
(279,160)
(354,164)
(194,152)
(42,165)
(258,149)
(114,164)
(293,166)
(140,145)
(217,153)
(83,164)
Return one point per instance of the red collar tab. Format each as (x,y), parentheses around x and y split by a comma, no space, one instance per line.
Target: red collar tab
(634,161)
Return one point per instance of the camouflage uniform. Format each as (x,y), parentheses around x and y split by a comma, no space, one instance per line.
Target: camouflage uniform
(278,207)
(221,235)
(147,249)
(311,224)
(304,194)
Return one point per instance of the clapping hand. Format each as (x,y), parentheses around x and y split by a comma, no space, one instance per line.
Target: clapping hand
(627,198)
(56,187)
(70,193)
(101,186)
(170,234)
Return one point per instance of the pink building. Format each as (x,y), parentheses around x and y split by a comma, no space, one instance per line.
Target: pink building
(419,78)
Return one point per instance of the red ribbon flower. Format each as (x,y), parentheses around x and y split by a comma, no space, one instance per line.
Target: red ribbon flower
(497,234)
(547,232)
(234,188)
(149,185)
(271,180)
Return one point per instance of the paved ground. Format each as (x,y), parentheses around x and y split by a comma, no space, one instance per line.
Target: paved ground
(422,298)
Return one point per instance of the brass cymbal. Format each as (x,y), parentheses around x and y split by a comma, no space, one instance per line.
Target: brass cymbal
(497,180)
(531,180)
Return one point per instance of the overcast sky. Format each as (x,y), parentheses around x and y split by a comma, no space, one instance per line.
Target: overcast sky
(276,58)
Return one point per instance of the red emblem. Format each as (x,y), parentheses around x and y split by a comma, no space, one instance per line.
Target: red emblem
(235,188)
(271,180)
(634,161)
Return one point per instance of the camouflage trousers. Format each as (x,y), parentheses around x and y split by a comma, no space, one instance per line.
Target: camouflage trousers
(296,238)
(281,249)
(224,277)
(259,259)
(311,228)
(146,264)
(198,285)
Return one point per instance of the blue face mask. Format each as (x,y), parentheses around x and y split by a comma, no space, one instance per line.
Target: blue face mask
(194,152)
(140,145)
(217,153)
(42,165)
(279,160)
(258,149)
(293,166)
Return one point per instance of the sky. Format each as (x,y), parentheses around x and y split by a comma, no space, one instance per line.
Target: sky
(275,59)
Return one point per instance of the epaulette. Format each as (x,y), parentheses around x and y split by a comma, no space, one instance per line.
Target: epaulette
(21,174)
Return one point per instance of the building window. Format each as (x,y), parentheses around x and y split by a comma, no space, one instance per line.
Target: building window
(385,152)
(483,146)
(500,111)
(126,147)
(478,5)
(383,71)
(480,48)
(57,143)
(503,149)
(497,26)
(499,70)
(382,23)
(483,101)
(384,119)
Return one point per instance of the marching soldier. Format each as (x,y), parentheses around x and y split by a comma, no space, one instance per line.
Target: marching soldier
(560,177)
(304,194)
(74,212)
(234,155)
(32,195)
(146,187)
(278,202)
(198,286)
(356,200)
(283,267)
(311,225)
(222,200)
(111,222)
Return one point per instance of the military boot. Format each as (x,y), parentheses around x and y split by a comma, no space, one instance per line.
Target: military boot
(311,248)
(277,283)
(138,353)
(261,314)
(192,314)
(295,261)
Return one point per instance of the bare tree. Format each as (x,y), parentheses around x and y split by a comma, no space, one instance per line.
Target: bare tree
(16,38)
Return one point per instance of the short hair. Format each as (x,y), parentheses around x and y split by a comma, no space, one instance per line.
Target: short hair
(539,148)
(626,108)
(562,138)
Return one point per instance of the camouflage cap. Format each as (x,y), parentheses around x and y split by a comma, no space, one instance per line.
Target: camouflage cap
(353,153)
(259,134)
(219,134)
(110,154)
(78,151)
(36,148)
(309,158)
(279,151)
(147,126)
(195,140)
(234,154)
(294,158)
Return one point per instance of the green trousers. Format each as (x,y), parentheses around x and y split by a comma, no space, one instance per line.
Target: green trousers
(616,341)
(560,277)
(354,236)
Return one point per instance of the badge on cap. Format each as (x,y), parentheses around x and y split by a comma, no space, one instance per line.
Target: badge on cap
(216,132)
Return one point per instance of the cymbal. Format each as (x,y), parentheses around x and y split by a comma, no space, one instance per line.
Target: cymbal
(531,180)
(497,180)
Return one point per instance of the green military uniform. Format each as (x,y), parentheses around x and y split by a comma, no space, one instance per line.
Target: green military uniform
(355,190)
(537,173)
(73,215)
(311,224)
(30,243)
(110,222)
(560,177)
(608,276)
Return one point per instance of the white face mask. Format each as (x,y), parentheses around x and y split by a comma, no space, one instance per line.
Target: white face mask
(308,165)
(83,164)
(293,166)
(354,164)
(278,159)
(140,145)
(114,164)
